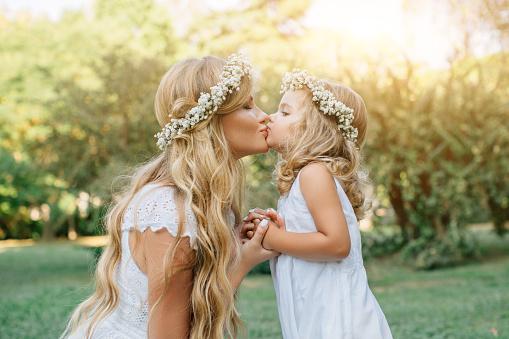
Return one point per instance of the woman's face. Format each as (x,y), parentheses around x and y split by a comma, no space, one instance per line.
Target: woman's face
(279,123)
(245,130)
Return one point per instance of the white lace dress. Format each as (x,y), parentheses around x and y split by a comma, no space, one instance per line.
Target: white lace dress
(153,206)
(324,299)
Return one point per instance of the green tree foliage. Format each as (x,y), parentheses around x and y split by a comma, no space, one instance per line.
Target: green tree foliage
(438,145)
(77,95)
(21,189)
(76,109)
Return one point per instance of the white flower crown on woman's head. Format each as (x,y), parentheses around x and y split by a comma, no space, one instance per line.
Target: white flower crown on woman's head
(208,103)
(296,79)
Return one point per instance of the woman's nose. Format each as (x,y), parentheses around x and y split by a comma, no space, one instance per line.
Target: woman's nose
(262,117)
(272,117)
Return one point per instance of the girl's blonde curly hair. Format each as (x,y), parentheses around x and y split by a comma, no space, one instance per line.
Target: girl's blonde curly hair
(315,137)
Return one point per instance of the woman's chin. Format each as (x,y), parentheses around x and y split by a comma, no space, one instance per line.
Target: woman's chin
(264,149)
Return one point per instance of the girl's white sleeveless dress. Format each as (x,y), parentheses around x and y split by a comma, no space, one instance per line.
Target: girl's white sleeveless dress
(153,206)
(324,299)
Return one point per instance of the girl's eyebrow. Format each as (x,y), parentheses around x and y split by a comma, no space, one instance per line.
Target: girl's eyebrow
(284,104)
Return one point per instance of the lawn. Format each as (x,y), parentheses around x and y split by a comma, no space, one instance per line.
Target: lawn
(41,284)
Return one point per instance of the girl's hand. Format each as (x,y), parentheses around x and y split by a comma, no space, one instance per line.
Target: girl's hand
(256,213)
(271,225)
(271,213)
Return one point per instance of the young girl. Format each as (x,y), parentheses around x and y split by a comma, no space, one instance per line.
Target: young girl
(320,281)
(174,259)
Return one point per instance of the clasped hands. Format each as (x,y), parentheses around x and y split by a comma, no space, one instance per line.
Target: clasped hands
(257,216)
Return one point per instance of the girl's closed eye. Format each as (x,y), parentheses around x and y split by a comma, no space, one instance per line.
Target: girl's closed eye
(285,113)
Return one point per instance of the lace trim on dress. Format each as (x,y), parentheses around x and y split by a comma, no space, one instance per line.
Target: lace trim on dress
(154,206)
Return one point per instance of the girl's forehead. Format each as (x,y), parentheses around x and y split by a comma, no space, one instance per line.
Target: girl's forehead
(292,99)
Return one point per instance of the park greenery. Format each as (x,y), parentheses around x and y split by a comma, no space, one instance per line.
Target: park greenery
(76,111)
(43,283)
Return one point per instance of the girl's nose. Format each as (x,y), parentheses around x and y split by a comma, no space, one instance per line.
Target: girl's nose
(262,117)
(272,117)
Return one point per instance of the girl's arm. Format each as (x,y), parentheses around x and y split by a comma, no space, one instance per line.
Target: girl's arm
(332,239)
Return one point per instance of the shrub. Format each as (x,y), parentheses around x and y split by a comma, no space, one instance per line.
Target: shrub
(381,241)
(428,252)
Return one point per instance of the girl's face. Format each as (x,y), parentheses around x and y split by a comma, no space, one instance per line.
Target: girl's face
(245,130)
(279,122)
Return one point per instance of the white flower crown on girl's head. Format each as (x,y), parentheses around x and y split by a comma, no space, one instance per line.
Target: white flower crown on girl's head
(208,103)
(296,79)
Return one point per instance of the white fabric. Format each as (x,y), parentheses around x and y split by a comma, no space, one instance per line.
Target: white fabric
(156,208)
(324,299)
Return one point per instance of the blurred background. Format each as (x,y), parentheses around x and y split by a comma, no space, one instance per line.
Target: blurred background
(78,79)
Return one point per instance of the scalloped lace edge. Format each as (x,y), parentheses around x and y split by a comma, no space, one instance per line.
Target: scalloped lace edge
(155,228)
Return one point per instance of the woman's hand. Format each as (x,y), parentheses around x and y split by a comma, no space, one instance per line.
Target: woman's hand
(252,253)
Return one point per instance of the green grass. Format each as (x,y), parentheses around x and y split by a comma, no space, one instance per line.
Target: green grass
(41,284)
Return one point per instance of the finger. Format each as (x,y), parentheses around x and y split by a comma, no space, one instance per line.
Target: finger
(248,217)
(281,222)
(257,210)
(260,231)
(247,227)
(254,215)
(277,217)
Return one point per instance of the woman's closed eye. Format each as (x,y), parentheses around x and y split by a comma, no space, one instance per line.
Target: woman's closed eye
(285,113)
(249,104)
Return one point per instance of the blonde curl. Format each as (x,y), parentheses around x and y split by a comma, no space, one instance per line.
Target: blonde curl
(206,177)
(315,138)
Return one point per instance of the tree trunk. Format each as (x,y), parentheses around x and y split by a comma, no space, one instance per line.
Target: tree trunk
(71,233)
(409,231)
(47,230)
(499,216)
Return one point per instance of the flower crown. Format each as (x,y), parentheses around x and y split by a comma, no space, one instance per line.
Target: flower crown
(296,79)
(208,103)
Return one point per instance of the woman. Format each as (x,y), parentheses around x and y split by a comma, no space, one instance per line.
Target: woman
(174,259)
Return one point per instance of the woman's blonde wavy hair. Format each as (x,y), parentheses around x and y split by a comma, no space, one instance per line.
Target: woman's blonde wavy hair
(315,137)
(201,168)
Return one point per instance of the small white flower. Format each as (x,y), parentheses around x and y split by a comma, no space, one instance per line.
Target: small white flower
(208,103)
(296,79)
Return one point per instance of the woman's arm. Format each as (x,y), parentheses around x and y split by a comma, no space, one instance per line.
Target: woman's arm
(252,253)
(171,318)
(332,239)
